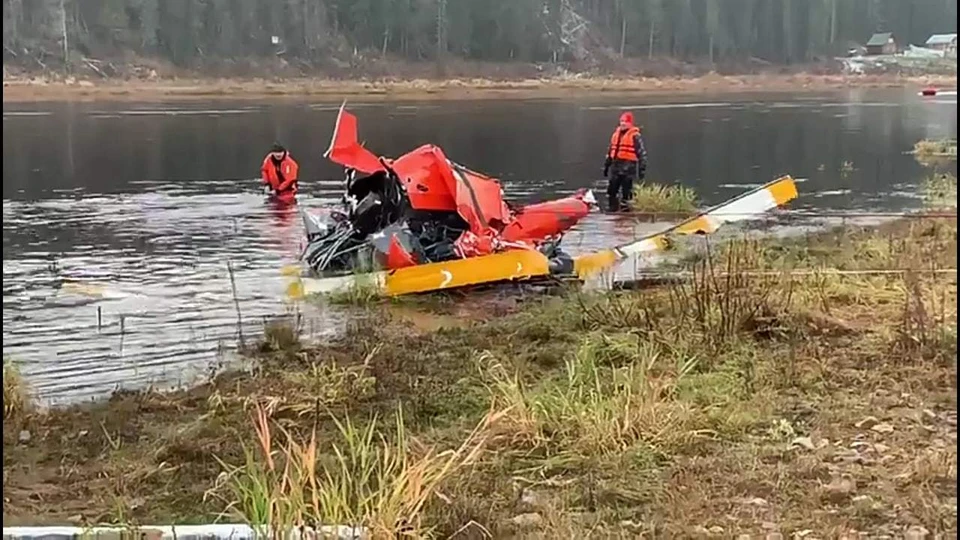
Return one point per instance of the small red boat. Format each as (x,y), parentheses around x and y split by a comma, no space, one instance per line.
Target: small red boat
(932,92)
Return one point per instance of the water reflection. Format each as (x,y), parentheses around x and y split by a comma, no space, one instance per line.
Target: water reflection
(541,147)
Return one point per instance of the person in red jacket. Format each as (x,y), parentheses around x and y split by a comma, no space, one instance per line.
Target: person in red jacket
(279,173)
(626,158)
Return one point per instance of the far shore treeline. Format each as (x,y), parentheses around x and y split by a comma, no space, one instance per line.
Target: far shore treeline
(351,34)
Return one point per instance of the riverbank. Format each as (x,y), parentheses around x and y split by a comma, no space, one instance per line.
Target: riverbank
(38,89)
(739,402)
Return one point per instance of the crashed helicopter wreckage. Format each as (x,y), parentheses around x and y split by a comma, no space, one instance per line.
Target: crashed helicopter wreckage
(422,208)
(425,223)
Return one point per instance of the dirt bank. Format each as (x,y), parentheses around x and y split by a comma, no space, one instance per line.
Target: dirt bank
(35,89)
(724,406)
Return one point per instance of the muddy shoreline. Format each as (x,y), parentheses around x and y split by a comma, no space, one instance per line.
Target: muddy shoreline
(829,406)
(26,90)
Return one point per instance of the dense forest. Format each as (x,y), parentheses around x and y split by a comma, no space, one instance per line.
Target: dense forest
(196,33)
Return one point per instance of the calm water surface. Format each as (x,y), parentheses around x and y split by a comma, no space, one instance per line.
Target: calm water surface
(143,205)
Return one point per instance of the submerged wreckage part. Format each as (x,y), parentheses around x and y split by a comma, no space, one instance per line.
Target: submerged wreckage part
(750,205)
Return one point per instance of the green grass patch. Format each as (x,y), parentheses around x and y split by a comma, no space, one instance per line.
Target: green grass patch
(654,198)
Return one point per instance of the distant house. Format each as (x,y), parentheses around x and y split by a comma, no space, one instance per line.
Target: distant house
(882,43)
(942,42)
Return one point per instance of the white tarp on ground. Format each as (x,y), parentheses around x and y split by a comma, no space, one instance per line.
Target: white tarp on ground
(923,52)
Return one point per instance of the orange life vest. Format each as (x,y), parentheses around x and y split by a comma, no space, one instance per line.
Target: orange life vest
(621,144)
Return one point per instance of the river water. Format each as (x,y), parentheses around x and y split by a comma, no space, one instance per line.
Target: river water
(120,219)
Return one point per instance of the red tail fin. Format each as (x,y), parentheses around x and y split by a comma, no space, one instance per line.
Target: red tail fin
(345,150)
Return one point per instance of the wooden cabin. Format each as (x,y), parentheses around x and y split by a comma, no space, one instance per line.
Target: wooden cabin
(882,43)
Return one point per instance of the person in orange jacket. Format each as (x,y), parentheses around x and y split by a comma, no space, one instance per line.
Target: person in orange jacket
(626,158)
(279,173)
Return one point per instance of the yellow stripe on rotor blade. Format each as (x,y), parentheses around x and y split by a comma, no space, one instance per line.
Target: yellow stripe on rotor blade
(594,262)
(783,190)
(510,265)
(295,290)
(591,263)
(699,225)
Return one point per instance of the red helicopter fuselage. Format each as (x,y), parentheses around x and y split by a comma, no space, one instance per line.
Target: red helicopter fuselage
(433,183)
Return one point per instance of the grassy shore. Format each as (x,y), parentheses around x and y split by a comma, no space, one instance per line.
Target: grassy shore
(38,89)
(736,402)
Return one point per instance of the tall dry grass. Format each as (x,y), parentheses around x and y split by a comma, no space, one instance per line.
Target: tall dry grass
(16,395)
(940,191)
(366,483)
(936,148)
(593,408)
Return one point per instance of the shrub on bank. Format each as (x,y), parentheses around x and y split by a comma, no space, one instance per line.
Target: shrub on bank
(650,198)
(936,148)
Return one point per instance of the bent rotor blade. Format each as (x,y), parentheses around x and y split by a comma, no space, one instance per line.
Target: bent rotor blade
(744,207)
